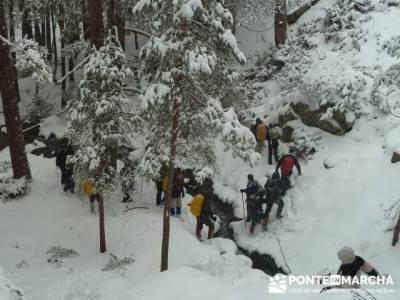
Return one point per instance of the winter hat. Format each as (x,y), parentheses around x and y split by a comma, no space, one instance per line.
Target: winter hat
(250,177)
(346,255)
(258,120)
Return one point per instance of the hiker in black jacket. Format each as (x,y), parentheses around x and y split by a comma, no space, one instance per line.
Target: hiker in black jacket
(177,193)
(273,195)
(352,266)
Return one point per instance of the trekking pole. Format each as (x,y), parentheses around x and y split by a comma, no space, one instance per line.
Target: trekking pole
(141,189)
(291,198)
(244,212)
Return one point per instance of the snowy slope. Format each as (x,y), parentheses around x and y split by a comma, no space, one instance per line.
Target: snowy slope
(47,218)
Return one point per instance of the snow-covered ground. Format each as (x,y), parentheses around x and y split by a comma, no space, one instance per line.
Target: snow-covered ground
(331,208)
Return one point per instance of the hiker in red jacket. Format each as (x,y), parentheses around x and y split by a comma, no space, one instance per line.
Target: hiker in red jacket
(286,164)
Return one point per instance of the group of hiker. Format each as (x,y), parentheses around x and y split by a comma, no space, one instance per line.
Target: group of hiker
(178,190)
(273,192)
(271,134)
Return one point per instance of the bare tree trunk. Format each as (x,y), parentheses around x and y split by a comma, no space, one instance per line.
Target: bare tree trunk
(136,41)
(61,24)
(111,14)
(48,34)
(43,27)
(116,18)
(70,68)
(96,36)
(103,247)
(96,26)
(85,20)
(53,22)
(11,16)
(26,21)
(8,92)
(38,35)
(280,22)
(171,171)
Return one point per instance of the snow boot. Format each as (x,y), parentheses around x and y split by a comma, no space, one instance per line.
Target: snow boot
(252,228)
(172,211)
(396,233)
(210,233)
(198,235)
(265,224)
(92,208)
(178,211)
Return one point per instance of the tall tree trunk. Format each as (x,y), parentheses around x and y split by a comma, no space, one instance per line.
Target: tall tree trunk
(111,14)
(96,36)
(280,22)
(70,68)
(171,172)
(26,21)
(8,92)
(53,23)
(11,16)
(85,21)
(115,17)
(43,27)
(61,24)
(103,247)
(96,26)
(136,41)
(48,32)
(38,35)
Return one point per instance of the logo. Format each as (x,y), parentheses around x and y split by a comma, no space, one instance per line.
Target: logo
(291,284)
(277,284)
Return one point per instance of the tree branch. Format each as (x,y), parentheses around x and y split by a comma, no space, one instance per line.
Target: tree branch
(139,31)
(255,30)
(5,41)
(78,66)
(132,89)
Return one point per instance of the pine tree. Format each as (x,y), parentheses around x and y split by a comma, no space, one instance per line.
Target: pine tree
(97,120)
(186,68)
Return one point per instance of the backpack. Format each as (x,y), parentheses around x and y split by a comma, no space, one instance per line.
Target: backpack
(287,165)
(165,184)
(87,187)
(274,133)
(196,205)
(272,189)
(261,132)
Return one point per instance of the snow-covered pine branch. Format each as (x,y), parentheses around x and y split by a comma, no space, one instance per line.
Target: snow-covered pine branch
(97,120)
(191,47)
(31,60)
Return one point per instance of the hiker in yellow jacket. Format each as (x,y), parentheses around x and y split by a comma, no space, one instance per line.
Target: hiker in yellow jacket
(200,207)
(260,131)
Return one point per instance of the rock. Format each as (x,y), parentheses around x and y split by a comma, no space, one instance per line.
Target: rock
(287,133)
(395,157)
(288,116)
(337,125)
